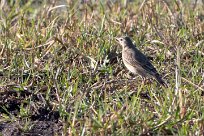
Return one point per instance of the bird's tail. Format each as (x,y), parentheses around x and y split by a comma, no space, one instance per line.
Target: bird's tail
(160,80)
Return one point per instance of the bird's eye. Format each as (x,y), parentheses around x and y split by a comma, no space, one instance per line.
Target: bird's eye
(121,39)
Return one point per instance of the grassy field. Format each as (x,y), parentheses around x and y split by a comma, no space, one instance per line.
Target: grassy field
(61,71)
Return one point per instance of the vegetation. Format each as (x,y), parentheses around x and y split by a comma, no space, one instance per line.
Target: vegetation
(61,71)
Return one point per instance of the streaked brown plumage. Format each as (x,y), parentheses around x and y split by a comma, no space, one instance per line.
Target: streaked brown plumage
(137,62)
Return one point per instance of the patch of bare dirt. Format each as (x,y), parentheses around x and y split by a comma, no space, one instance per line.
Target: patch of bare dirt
(41,121)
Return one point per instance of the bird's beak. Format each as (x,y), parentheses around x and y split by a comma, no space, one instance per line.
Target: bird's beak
(117,39)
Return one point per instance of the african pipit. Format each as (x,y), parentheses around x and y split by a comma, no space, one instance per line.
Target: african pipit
(137,62)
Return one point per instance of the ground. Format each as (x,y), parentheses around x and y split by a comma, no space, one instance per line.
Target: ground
(61,71)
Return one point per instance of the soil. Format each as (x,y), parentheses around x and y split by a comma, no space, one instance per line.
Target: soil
(40,121)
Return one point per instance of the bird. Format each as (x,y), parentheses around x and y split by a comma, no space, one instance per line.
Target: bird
(136,62)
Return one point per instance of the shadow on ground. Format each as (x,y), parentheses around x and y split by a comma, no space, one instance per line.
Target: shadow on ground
(42,120)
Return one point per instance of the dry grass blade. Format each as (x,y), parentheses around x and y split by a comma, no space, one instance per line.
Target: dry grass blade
(61,70)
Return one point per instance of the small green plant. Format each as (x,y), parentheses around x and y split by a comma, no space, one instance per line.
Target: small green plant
(60,67)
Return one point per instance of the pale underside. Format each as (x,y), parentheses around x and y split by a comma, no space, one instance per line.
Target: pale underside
(134,70)
(137,63)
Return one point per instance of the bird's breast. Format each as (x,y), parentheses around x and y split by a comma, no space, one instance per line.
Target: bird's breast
(130,68)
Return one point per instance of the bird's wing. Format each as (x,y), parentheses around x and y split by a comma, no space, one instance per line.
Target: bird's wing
(138,59)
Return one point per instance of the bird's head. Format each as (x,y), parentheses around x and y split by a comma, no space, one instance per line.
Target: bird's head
(124,41)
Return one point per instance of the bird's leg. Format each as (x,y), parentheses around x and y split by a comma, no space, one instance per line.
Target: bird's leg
(131,75)
(143,81)
(147,81)
(142,84)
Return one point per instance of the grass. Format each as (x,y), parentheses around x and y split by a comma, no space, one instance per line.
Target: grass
(61,65)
